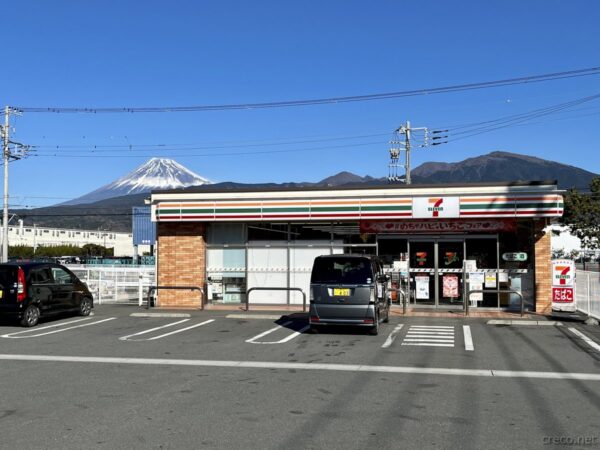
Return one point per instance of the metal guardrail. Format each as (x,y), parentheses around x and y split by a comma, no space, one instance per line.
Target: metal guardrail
(189,288)
(494,291)
(275,289)
(400,291)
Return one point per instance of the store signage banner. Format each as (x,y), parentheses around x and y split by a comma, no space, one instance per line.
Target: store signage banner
(437,226)
(563,285)
(432,207)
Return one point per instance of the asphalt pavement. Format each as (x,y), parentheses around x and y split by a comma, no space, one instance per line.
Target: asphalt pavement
(213,379)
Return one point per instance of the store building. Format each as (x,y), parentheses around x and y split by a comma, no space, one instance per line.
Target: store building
(229,241)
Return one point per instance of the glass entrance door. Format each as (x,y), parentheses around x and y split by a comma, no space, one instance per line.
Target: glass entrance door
(422,272)
(450,255)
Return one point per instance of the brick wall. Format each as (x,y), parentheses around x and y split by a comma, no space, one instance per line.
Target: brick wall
(543,269)
(181,262)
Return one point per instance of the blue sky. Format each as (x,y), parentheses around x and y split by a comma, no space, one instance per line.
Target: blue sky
(151,53)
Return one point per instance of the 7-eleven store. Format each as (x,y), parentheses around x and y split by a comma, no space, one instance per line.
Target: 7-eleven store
(229,241)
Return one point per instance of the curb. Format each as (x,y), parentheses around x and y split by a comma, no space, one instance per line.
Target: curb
(525,322)
(160,315)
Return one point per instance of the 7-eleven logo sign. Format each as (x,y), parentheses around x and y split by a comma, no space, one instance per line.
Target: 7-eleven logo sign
(435,206)
(563,272)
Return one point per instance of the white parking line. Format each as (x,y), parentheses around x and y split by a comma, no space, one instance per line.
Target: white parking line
(430,336)
(13,335)
(468,338)
(392,336)
(272,330)
(585,338)
(183,329)
(429,344)
(29,330)
(443,371)
(431,333)
(126,338)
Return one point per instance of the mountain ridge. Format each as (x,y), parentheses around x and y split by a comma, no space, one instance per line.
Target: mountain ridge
(115,213)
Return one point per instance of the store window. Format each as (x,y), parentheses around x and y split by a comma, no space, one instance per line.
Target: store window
(226,263)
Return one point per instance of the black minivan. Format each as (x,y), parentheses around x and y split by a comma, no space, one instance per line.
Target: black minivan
(348,289)
(33,289)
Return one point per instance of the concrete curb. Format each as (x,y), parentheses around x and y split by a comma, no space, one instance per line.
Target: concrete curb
(253,316)
(525,322)
(160,315)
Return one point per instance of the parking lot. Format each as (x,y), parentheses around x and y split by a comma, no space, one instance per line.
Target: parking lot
(257,380)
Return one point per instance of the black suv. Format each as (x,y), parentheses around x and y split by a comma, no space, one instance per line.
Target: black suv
(29,290)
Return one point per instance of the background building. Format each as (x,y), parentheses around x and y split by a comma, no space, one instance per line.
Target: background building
(34,236)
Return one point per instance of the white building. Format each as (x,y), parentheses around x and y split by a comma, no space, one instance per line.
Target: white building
(34,236)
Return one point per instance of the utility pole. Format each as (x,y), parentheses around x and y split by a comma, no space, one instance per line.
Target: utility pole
(6,156)
(399,145)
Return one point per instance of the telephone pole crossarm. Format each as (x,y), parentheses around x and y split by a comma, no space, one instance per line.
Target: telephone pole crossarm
(405,145)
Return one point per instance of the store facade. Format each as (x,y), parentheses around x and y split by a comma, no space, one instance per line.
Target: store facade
(232,240)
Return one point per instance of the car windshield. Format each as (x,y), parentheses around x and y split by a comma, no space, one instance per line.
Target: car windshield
(342,270)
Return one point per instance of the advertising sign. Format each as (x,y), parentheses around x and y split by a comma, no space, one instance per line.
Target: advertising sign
(476,280)
(433,207)
(490,280)
(562,295)
(438,226)
(563,285)
(422,287)
(450,284)
(563,272)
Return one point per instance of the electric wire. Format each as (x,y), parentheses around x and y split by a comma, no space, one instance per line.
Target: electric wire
(320,101)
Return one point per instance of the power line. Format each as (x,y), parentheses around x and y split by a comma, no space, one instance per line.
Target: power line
(121,155)
(321,101)
(202,146)
(512,120)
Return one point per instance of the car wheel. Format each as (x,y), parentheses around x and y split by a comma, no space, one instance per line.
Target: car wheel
(375,330)
(85,306)
(31,316)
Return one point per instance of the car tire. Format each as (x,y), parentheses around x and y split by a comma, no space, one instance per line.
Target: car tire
(387,314)
(85,306)
(31,316)
(375,330)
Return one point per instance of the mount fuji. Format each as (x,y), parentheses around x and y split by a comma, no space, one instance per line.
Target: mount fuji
(154,174)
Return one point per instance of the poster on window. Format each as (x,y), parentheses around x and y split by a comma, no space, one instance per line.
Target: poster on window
(450,286)
(490,280)
(476,280)
(422,287)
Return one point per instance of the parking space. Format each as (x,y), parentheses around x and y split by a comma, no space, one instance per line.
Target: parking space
(470,344)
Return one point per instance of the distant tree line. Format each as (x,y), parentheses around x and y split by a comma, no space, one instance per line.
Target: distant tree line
(88,250)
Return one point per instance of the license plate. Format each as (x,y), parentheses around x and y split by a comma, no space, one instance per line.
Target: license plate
(337,292)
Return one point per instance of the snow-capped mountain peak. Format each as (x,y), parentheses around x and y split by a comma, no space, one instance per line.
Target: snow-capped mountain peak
(154,174)
(158,173)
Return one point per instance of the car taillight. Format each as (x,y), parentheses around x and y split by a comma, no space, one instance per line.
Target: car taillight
(314,318)
(21,287)
(368,321)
